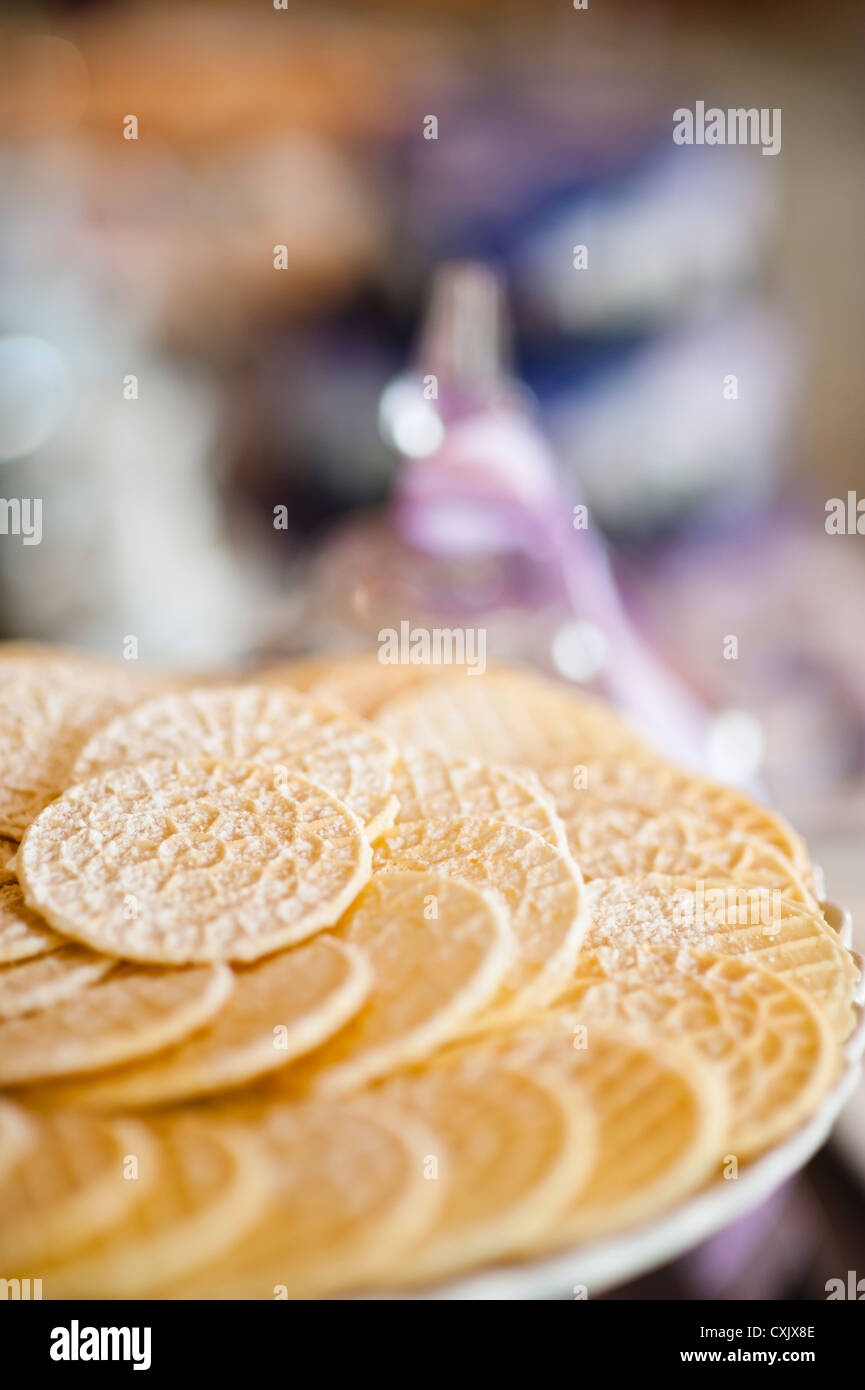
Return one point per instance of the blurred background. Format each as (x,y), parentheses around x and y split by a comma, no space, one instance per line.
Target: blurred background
(316,318)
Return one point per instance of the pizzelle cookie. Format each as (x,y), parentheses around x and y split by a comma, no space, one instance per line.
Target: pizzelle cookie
(621,842)
(632,916)
(350,1193)
(653,787)
(193,861)
(297,672)
(17,1133)
(8,851)
(539,887)
(279,1008)
(131,1013)
(429,786)
(438,950)
(23,933)
(211,1182)
(48,709)
(360,683)
(32,985)
(776,1046)
(349,757)
(662,1120)
(510,718)
(79,1176)
(515,1146)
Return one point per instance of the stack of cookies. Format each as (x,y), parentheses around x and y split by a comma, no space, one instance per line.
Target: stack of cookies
(350,977)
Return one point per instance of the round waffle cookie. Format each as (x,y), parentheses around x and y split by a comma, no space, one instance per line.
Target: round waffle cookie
(776,1046)
(631,916)
(256,724)
(193,861)
(16,1135)
(515,1145)
(8,851)
(350,1193)
(23,934)
(651,787)
(48,709)
(622,842)
(279,1007)
(661,1115)
(211,1183)
(131,1013)
(297,672)
(79,1176)
(32,985)
(360,683)
(511,718)
(439,951)
(539,887)
(431,787)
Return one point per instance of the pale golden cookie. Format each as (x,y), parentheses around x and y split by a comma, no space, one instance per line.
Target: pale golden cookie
(131,1013)
(23,933)
(279,1008)
(297,672)
(438,951)
(539,887)
(653,788)
(360,683)
(506,718)
(256,724)
(350,1195)
(16,1135)
(662,1120)
(776,1047)
(8,851)
(630,916)
(48,709)
(515,1146)
(37,984)
(210,1185)
(620,841)
(431,787)
(78,1177)
(193,861)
